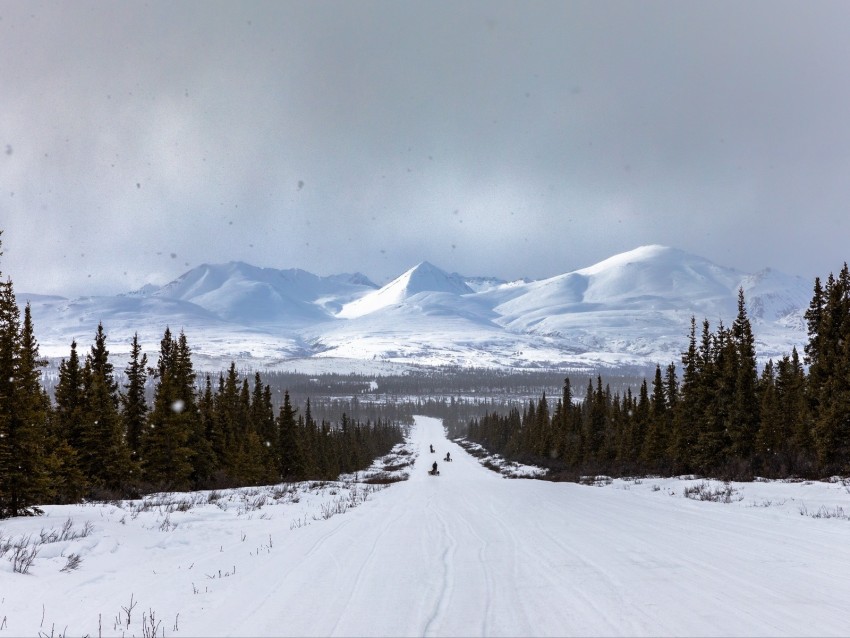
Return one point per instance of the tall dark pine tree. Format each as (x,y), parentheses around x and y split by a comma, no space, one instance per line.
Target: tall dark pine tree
(68,418)
(135,407)
(105,455)
(167,456)
(744,413)
(24,414)
(70,398)
(688,411)
(290,455)
(829,350)
(10,318)
(655,441)
(791,385)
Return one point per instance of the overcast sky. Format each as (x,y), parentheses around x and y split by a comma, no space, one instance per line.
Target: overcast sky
(513,139)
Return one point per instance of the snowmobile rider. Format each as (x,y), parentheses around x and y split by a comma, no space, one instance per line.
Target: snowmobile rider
(448,456)
(434,468)
(432,449)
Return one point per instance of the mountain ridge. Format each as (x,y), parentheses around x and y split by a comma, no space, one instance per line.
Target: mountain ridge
(632,308)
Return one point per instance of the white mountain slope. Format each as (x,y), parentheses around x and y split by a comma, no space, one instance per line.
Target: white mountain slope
(243,293)
(641,302)
(423,277)
(633,308)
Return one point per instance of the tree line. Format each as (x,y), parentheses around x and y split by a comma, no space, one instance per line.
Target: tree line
(97,440)
(722,418)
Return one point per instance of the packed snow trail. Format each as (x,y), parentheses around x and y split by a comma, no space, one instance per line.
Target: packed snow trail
(470,553)
(467,553)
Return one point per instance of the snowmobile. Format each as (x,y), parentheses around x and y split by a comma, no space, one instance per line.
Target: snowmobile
(434,471)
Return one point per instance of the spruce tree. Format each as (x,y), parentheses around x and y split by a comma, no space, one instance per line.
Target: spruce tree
(9,348)
(134,404)
(68,417)
(829,348)
(654,443)
(167,455)
(24,413)
(688,408)
(104,453)
(791,383)
(290,454)
(744,418)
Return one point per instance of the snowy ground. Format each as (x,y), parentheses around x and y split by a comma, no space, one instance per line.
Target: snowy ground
(467,553)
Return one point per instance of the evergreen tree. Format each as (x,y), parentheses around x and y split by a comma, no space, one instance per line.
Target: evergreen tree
(715,371)
(104,454)
(24,414)
(791,384)
(226,444)
(770,438)
(829,374)
(744,417)
(68,417)
(289,454)
(167,455)
(208,424)
(135,407)
(655,441)
(688,412)
(9,348)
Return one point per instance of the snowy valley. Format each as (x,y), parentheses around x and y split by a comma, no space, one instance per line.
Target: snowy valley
(468,553)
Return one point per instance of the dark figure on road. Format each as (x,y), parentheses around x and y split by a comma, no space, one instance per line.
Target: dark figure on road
(434,470)
(432,449)
(448,457)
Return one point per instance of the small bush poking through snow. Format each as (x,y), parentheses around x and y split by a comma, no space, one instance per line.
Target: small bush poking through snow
(703,491)
(73,563)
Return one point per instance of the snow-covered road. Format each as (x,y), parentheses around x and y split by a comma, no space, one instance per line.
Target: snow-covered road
(467,553)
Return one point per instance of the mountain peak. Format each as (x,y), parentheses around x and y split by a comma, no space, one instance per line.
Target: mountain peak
(641,254)
(423,277)
(426,277)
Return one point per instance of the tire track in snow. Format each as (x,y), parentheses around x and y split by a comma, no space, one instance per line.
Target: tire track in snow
(448,573)
(507,532)
(367,561)
(481,554)
(612,586)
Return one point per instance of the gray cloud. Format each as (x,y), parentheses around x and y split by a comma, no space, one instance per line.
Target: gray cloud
(506,138)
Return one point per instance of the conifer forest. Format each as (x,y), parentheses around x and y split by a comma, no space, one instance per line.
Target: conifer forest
(105,433)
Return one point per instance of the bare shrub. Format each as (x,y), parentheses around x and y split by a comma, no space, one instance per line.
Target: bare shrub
(825,512)
(339,506)
(597,481)
(73,563)
(384,478)
(23,555)
(167,525)
(150,625)
(128,612)
(395,467)
(67,533)
(703,491)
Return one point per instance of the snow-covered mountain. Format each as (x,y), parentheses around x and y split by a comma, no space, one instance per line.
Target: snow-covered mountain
(246,294)
(422,278)
(633,308)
